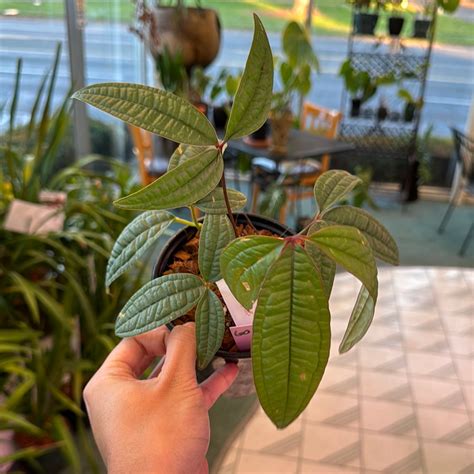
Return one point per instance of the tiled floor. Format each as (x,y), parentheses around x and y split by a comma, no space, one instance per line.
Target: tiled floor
(400,402)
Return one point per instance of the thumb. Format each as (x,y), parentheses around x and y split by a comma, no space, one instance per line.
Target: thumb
(180,360)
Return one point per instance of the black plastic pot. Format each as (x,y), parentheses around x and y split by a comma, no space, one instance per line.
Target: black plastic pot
(184,235)
(421,28)
(382,113)
(409,112)
(395,25)
(355,107)
(219,117)
(262,133)
(365,23)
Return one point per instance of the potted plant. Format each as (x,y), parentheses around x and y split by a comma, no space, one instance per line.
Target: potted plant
(422,23)
(194,32)
(366,16)
(289,278)
(295,70)
(396,20)
(412,105)
(359,85)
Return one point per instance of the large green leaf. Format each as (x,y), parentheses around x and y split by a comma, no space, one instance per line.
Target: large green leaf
(135,240)
(184,153)
(244,263)
(216,233)
(214,202)
(253,98)
(158,302)
(291,336)
(210,326)
(360,320)
(152,109)
(297,45)
(349,248)
(325,266)
(332,186)
(382,243)
(184,185)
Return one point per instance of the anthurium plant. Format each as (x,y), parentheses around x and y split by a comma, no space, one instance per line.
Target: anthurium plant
(289,278)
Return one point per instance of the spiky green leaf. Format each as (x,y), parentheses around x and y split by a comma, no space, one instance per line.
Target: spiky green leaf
(216,233)
(184,185)
(382,243)
(155,110)
(210,326)
(349,248)
(253,98)
(360,320)
(135,240)
(244,263)
(332,186)
(214,202)
(158,302)
(291,336)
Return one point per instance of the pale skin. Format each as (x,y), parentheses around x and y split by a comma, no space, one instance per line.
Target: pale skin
(159,424)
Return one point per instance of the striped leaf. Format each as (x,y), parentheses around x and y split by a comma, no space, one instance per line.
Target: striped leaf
(332,186)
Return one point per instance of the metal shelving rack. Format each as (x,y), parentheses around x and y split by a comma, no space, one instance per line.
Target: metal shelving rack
(389,139)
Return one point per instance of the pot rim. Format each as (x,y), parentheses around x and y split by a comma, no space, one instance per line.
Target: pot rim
(228,356)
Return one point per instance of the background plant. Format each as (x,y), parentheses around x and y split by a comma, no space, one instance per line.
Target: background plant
(291,277)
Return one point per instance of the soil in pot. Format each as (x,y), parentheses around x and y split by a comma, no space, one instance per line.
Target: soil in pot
(365,23)
(421,28)
(395,25)
(181,256)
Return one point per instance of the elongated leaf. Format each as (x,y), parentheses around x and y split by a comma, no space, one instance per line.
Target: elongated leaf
(155,110)
(14,420)
(253,98)
(184,185)
(325,266)
(349,248)
(210,326)
(291,336)
(28,291)
(360,320)
(214,202)
(68,447)
(158,302)
(332,186)
(382,243)
(244,264)
(216,233)
(135,240)
(184,153)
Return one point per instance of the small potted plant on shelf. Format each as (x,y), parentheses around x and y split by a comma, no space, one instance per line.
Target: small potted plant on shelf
(294,70)
(422,23)
(284,280)
(366,16)
(412,105)
(396,19)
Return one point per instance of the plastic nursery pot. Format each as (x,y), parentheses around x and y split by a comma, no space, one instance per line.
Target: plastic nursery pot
(262,133)
(409,112)
(421,28)
(382,113)
(186,234)
(395,25)
(355,107)
(365,23)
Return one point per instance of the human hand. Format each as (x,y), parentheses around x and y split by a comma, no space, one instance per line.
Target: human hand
(160,424)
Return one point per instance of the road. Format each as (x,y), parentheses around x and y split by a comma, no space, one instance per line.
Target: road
(114,54)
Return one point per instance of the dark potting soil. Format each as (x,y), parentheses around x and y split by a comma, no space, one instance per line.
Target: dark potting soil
(185,260)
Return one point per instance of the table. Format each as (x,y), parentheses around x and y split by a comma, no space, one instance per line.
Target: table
(301,145)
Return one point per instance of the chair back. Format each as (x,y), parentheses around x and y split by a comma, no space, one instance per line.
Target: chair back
(464,151)
(143,150)
(320,121)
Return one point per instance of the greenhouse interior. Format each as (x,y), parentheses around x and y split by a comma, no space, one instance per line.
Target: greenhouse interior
(237,236)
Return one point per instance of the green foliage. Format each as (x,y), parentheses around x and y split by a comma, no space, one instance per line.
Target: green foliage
(252,99)
(289,279)
(171,72)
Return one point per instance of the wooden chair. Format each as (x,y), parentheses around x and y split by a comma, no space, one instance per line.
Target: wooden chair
(304,174)
(150,167)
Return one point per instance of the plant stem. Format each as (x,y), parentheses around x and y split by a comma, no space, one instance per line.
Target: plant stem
(192,209)
(227,204)
(184,222)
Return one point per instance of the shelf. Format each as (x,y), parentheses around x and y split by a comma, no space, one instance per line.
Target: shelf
(380,64)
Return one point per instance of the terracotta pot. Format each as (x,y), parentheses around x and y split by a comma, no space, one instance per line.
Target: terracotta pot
(280,125)
(195,32)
